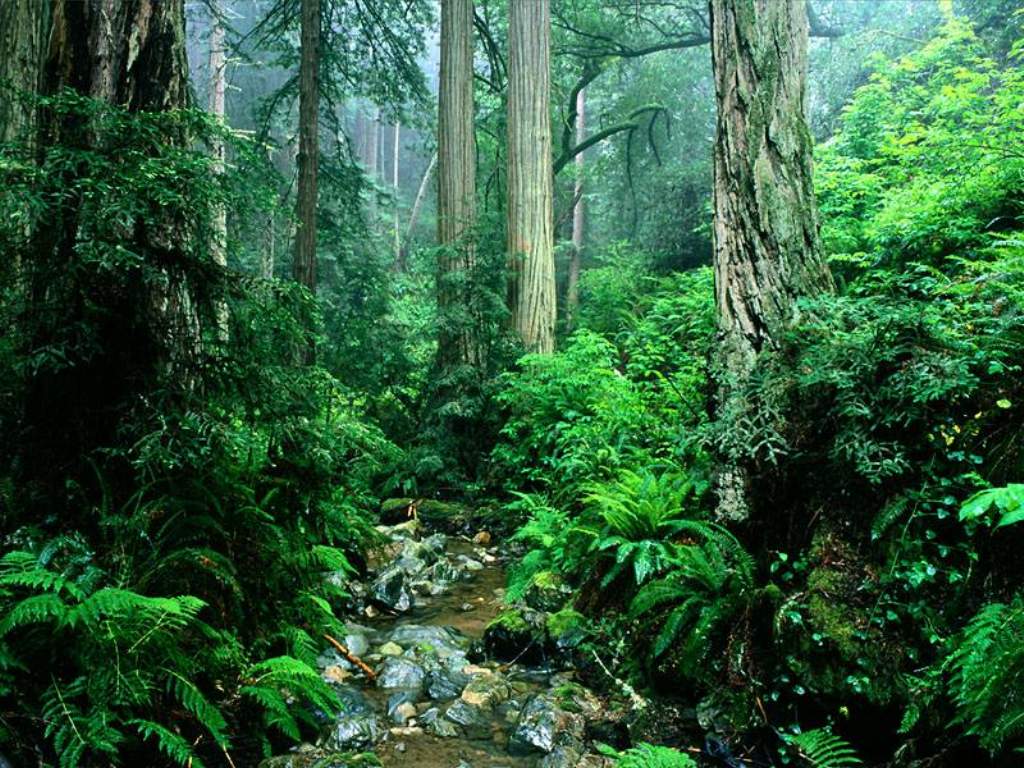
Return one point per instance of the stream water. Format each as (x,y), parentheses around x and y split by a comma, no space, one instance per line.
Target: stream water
(438,701)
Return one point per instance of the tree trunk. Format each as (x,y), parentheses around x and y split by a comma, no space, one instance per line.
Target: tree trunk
(572,293)
(395,150)
(415,214)
(530,227)
(304,265)
(456,180)
(218,83)
(767,251)
(24,33)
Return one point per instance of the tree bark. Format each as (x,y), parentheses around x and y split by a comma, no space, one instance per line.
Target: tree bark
(395,151)
(767,251)
(24,33)
(532,299)
(218,87)
(456,180)
(304,264)
(572,293)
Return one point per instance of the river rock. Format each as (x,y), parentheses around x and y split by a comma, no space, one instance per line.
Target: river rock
(518,634)
(547,592)
(308,756)
(400,673)
(475,722)
(486,690)
(436,723)
(543,725)
(357,727)
(390,591)
(446,677)
(443,641)
(390,649)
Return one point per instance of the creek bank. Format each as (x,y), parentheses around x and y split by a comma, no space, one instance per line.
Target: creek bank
(461,681)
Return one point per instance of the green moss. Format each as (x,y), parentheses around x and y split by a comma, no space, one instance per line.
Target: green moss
(564,622)
(546,580)
(510,620)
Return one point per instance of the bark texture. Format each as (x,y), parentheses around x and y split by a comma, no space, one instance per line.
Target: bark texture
(572,293)
(24,33)
(218,89)
(767,251)
(304,264)
(456,178)
(532,299)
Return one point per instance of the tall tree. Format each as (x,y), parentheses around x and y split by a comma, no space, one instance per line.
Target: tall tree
(218,90)
(530,220)
(396,146)
(24,29)
(572,292)
(456,175)
(304,264)
(767,252)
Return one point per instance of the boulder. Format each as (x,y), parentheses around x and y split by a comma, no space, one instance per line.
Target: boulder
(390,591)
(543,725)
(547,592)
(517,634)
(475,722)
(436,723)
(444,641)
(400,673)
(357,727)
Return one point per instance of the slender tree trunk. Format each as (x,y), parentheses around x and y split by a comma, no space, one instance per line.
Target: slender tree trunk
(395,151)
(372,133)
(767,251)
(218,87)
(572,293)
(414,216)
(456,180)
(530,227)
(304,265)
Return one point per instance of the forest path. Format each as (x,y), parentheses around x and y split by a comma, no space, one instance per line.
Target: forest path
(439,700)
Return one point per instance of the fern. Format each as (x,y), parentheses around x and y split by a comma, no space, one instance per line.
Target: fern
(986,672)
(820,748)
(647,756)
(276,683)
(171,744)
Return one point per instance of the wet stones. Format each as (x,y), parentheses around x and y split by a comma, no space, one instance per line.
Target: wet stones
(390,590)
(544,725)
(399,673)
(357,726)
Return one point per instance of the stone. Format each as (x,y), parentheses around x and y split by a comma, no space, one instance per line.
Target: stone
(543,725)
(357,727)
(517,634)
(390,649)
(475,723)
(437,724)
(486,690)
(547,592)
(308,756)
(442,640)
(400,673)
(470,564)
(389,590)
(482,538)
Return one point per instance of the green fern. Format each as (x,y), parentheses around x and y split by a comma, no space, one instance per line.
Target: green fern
(276,683)
(820,748)
(987,676)
(711,583)
(647,756)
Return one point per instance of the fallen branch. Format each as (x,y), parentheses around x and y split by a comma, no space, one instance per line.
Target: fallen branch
(352,658)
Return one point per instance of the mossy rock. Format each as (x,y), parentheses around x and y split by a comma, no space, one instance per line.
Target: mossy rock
(437,515)
(567,628)
(518,634)
(547,591)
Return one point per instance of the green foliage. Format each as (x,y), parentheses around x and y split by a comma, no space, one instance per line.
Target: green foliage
(820,748)
(1005,504)
(986,676)
(648,756)
(710,584)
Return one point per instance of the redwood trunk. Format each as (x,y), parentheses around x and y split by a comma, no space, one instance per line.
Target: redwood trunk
(218,87)
(24,33)
(767,251)
(304,265)
(532,299)
(456,179)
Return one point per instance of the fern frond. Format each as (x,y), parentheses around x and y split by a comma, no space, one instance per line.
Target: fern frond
(820,748)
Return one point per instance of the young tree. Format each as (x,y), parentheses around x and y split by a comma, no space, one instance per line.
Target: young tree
(218,89)
(530,220)
(304,264)
(456,175)
(572,293)
(767,251)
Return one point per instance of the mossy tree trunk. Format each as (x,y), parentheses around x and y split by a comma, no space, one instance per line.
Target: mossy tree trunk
(456,183)
(767,252)
(532,299)
(304,263)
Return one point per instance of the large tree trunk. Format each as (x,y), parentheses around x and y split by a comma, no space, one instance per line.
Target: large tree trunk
(572,293)
(304,265)
(530,227)
(767,251)
(456,179)
(218,88)
(140,325)
(24,33)
(395,152)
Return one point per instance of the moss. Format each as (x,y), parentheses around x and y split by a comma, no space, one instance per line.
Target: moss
(564,622)
(546,580)
(510,620)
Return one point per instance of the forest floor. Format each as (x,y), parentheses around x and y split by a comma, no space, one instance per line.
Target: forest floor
(440,698)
